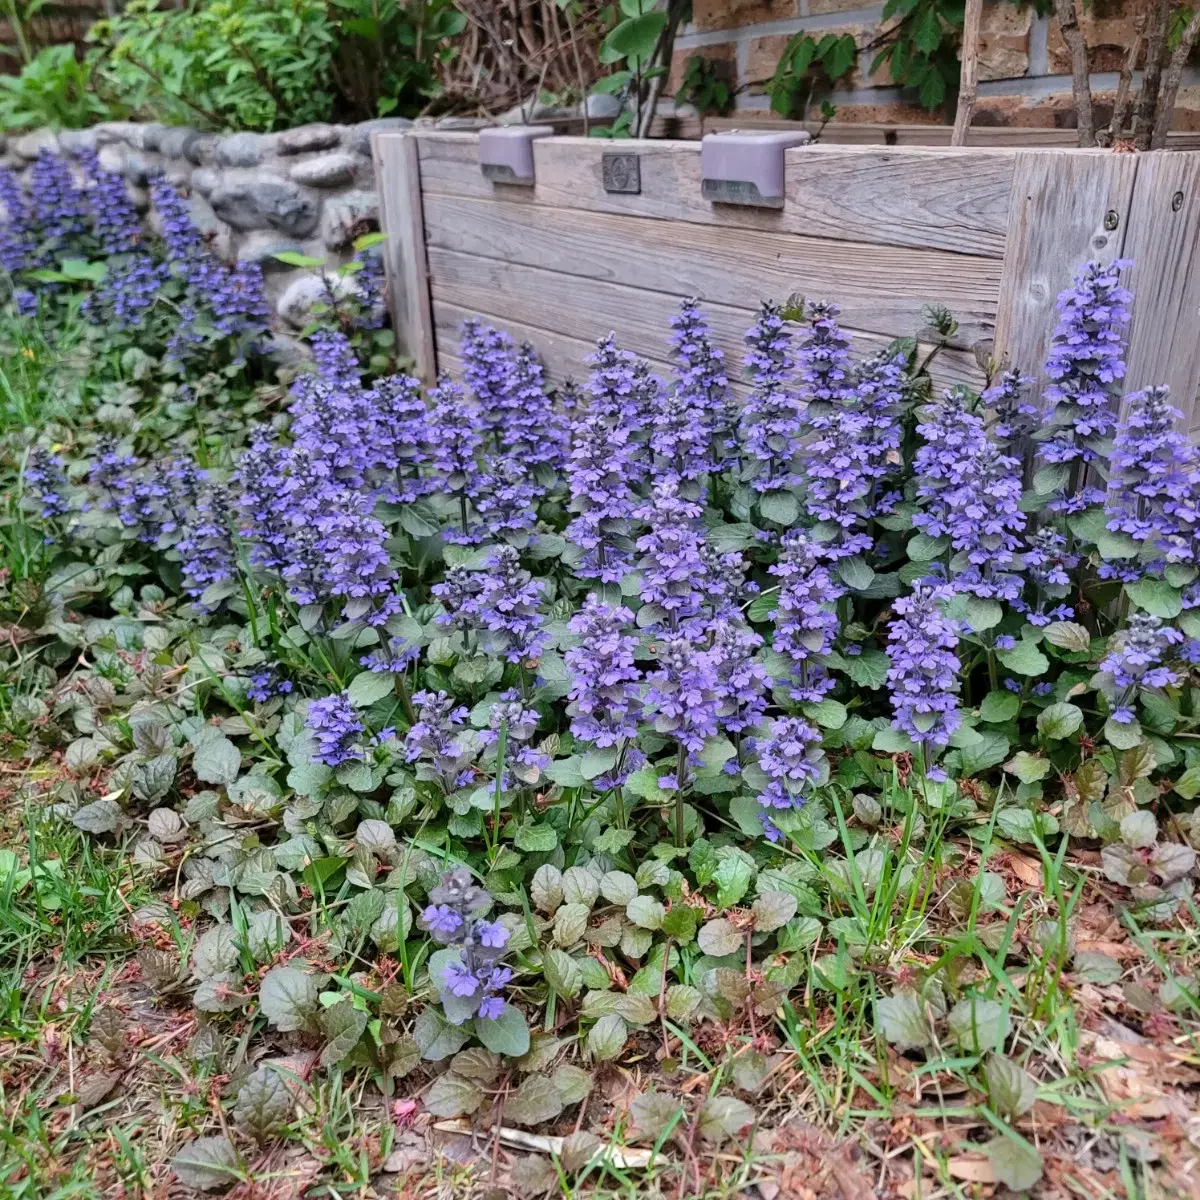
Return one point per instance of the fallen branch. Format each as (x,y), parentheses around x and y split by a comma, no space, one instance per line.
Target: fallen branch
(968,84)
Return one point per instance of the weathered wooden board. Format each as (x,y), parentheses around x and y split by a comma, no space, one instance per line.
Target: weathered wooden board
(399,181)
(1163,241)
(552,302)
(954,200)
(1067,209)
(881,289)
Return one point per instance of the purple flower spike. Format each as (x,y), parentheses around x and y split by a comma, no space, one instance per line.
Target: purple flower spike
(924,672)
(337,729)
(604,678)
(805,621)
(1135,661)
(770,428)
(791,759)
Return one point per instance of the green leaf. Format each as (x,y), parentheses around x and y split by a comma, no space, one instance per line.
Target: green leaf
(1067,635)
(901,1020)
(978,1025)
(101,816)
(207,1164)
(264,1103)
(983,614)
(567,771)
(606,1038)
(561,973)
(1123,735)
(781,507)
(922,548)
(829,714)
(856,573)
(452,1095)
(633,39)
(719,937)
(342,1024)
(534,839)
(1011,1090)
(1028,768)
(295,259)
(1156,597)
(1024,659)
(217,760)
(999,706)
(724,1117)
(596,762)
(1188,784)
(546,888)
(369,686)
(507,1034)
(436,1037)
(1016,1163)
(772,910)
(892,741)
(288,999)
(645,912)
(617,887)
(1059,721)
(680,923)
(535,1101)
(868,669)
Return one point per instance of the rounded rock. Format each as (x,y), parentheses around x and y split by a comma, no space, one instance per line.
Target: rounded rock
(241,150)
(29,145)
(262,245)
(306,138)
(348,216)
(205,180)
(75,140)
(305,292)
(173,142)
(199,148)
(358,137)
(268,202)
(325,171)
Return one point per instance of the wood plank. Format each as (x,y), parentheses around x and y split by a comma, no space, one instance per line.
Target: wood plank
(398,178)
(586,309)
(864,133)
(1060,208)
(1163,240)
(881,289)
(955,199)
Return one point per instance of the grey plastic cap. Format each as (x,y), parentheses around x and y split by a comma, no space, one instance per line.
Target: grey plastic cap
(745,168)
(506,152)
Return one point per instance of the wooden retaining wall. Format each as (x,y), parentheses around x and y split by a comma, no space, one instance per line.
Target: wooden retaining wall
(994,234)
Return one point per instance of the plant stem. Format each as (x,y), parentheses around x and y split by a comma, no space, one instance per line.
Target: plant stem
(680,777)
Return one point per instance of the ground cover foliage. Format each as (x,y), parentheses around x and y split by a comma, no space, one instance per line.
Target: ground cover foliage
(796,791)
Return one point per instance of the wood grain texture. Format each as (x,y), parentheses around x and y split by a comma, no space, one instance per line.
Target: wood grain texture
(881,289)
(582,310)
(1060,205)
(398,177)
(955,200)
(1163,240)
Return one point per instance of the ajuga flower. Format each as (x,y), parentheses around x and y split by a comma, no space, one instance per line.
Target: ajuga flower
(266,683)
(824,364)
(115,221)
(924,671)
(401,434)
(394,656)
(508,606)
(702,381)
(742,679)
(459,596)
(335,725)
(370,278)
(1014,418)
(454,443)
(792,761)
(207,545)
(18,241)
(1048,563)
(600,475)
(528,436)
(358,569)
(1152,464)
(57,207)
(433,740)
(1135,661)
(684,693)
(1085,365)
(603,676)
(46,482)
(673,568)
(519,722)
(179,232)
(770,428)
(507,500)
(263,507)
(839,484)
(472,985)
(952,440)
(126,293)
(805,620)
(489,359)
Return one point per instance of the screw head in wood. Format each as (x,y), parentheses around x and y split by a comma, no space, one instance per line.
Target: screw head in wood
(1177,202)
(1111,220)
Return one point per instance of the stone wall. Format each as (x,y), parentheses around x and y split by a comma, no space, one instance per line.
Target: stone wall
(1024,66)
(310,190)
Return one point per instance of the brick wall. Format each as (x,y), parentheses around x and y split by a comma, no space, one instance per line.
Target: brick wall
(1024,67)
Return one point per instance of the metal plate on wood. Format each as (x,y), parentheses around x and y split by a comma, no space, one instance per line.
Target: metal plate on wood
(621,172)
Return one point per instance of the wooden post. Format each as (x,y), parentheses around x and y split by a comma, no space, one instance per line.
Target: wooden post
(1081,85)
(398,178)
(1164,244)
(969,78)
(1067,208)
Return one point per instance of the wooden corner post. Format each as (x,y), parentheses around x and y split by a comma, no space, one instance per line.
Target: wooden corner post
(398,177)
